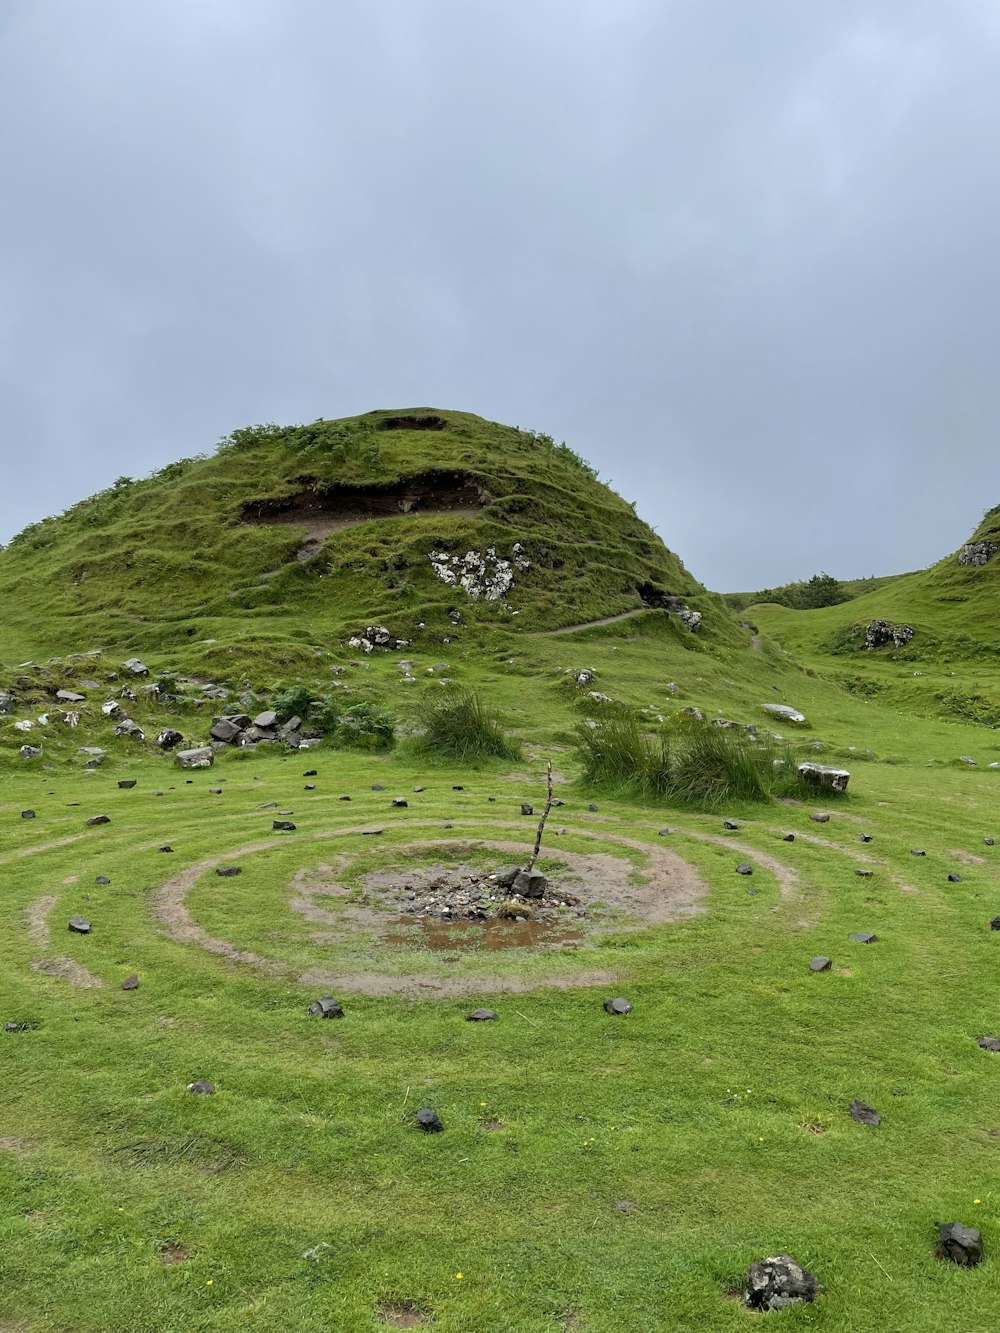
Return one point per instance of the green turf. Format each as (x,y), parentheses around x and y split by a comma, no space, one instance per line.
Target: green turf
(610,1175)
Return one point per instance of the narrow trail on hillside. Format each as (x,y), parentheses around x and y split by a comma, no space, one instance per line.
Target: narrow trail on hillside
(590,624)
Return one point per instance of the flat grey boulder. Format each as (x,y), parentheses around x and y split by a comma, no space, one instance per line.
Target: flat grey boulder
(836,779)
(785,711)
(224,729)
(136,667)
(202,757)
(30,752)
(266,721)
(126,727)
(69,697)
(961,1244)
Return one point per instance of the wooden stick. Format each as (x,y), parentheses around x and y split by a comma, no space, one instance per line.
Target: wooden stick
(885,1270)
(526,1018)
(541,823)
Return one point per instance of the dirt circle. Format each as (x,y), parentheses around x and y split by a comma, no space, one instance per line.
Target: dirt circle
(591,894)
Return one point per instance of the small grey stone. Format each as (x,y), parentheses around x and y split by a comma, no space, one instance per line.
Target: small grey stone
(863,938)
(98,819)
(266,721)
(663,833)
(481,1016)
(730,825)
(27,814)
(864,874)
(400,802)
(995,923)
(592,808)
(377,786)
(201,1088)
(988,1043)
(619,1006)
(820,817)
(820,963)
(102,879)
(744,868)
(326,1007)
(126,784)
(789,837)
(954,879)
(864,1114)
(166,848)
(131,983)
(428,1121)
(527,808)
(915,851)
(79,925)
(228,872)
(283,826)
(989,842)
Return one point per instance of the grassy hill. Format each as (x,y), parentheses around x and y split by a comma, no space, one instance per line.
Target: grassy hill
(595,1173)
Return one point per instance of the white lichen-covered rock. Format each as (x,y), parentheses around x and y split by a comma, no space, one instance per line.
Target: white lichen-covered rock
(879,633)
(583,676)
(25,724)
(30,752)
(784,711)
(978,553)
(202,757)
(836,779)
(126,727)
(112,708)
(598,697)
(691,618)
(480,573)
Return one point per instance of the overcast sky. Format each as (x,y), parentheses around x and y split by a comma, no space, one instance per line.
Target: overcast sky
(742,256)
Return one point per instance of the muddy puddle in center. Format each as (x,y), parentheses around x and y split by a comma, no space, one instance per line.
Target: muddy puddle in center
(487,936)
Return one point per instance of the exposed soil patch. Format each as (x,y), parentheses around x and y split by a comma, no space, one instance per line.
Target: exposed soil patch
(400,1314)
(967,858)
(67,970)
(36,920)
(587,624)
(321,510)
(672,890)
(17,1148)
(172,1252)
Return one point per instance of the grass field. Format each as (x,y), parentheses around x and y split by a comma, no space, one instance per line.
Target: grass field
(595,1172)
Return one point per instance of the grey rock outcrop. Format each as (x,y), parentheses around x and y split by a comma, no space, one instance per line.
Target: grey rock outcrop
(879,633)
(777,1282)
(784,711)
(978,553)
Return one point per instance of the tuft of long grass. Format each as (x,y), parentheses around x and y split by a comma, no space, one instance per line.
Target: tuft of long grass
(702,765)
(462,726)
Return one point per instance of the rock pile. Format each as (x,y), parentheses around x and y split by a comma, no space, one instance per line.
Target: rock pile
(507,894)
(879,633)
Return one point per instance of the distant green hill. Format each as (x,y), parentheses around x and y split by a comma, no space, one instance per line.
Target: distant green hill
(308,534)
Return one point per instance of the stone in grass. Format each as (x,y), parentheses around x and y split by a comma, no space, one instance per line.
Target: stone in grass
(283,826)
(954,879)
(166,847)
(730,824)
(418,789)
(98,819)
(126,784)
(27,814)
(865,837)
(820,817)
(820,963)
(481,1016)
(201,1088)
(102,879)
(789,837)
(988,1043)
(961,1244)
(618,1006)
(744,868)
(343,798)
(458,789)
(989,842)
(79,925)
(310,773)
(774,1283)
(530,884)
(527,808)
(400,802)
(377,786)
(310,786)
(228,872)
(592,808)
(917,851)
(663,833)
(131,983)
(864,874)
(429,1121)
(10,1026)
(861,937)
(326,1007)
(995,923)
(864,1114)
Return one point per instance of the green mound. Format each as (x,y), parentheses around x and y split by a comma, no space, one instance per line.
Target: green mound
(316,532)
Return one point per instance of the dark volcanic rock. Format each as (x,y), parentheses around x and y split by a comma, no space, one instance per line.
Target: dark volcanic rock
(730,825)
(27,814)
(527,808)
(954,879)
(283,826)
(166,848)
(995,923)
(988,1043)
(266,721)
(789,837)
(228,872)
(744,868)
(481,1016)
(79,925)
(530,884)
(989,842)
(126,784)
(201,1088)
(326,1007)
(168,738)
(820,963)
(864,1114)
(618,1006)
(102,879)
(962,1245)
(428,1121)
(864,874)
(131,983)
(777,1282)
(400,802)
(865,837)
(98,819)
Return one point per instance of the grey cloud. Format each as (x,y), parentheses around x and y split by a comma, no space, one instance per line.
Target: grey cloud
(742,257)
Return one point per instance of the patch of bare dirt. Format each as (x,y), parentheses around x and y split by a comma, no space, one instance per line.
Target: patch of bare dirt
(967,858)
(400,1314)
(67,970)
(36,919)
(17,1148)
(172,1252)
